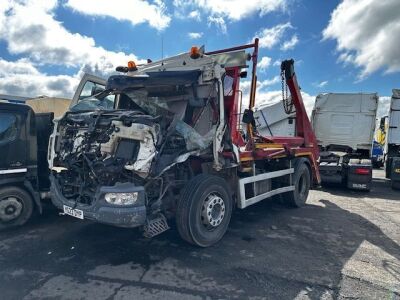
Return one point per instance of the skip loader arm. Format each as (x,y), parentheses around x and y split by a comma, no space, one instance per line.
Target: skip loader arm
(303,124)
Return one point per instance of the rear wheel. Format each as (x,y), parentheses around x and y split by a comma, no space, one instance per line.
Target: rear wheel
(16,207)
(302,183)
(204,210)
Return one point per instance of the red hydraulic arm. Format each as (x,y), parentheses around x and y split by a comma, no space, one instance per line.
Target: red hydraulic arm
(259,147)
(303,125)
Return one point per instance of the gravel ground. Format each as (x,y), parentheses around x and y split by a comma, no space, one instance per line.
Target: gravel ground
(343,244)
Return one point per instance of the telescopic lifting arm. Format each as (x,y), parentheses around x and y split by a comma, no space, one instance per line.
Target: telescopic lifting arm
(303,125)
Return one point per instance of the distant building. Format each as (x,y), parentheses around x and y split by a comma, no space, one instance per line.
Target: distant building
(41,104)
(49,104)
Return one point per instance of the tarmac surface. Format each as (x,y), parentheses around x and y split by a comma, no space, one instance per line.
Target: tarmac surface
(343,244)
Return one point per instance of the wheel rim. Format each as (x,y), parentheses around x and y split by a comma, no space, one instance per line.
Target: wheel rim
(213,211)
(10,209)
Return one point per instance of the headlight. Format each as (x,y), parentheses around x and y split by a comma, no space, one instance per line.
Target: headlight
(121,198)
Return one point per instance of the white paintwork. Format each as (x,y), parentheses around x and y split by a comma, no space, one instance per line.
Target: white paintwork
(86,77)
(345,119)
(243,202)
(13,171)
(394,119)
(280,123)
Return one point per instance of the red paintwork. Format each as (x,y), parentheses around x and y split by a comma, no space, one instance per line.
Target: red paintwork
(303,144)
(232,104)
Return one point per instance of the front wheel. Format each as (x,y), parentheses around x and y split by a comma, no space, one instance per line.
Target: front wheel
(204,210)
(302,183)
(16,207)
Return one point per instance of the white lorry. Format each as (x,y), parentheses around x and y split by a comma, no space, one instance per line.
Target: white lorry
(272,120)
(344,125)
(392,156)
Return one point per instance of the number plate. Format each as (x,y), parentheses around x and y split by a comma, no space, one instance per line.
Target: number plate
(397,170)
(359,185)
(77,213)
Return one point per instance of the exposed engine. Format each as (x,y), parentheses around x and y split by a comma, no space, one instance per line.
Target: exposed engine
(103,148)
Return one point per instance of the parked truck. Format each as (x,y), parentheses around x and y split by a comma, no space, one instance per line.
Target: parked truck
(25,128)
(24,172)
(392,155)
(164,141)
(273,120)
(344,125)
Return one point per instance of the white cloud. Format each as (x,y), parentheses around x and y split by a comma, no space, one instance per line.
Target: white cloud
(277,63)
(219,22)
(219,12)
(290,44)
(195,35)
(195,14)
(265,96)
(21,66)
(264,63)
(269,37)
(239,9)
(268,82)
(134,11)
(29,28)
(320,84)
(367,34)
(22,78)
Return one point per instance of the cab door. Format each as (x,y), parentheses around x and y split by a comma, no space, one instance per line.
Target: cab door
(13,141)
(88,86)
(394,122)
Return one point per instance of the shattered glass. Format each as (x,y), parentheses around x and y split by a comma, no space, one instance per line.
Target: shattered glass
(194,141)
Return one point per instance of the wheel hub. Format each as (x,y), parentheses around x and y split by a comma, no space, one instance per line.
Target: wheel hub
(10,209)
(213,211)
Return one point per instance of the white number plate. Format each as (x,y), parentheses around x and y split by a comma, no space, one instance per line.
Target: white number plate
(77,213)
(359,185)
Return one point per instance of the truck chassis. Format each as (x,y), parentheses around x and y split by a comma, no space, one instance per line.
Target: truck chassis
(135,164)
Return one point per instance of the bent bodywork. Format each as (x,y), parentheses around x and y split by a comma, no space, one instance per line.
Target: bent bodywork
(165,141)
(139,132)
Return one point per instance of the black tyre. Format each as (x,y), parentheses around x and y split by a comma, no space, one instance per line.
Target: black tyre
(16,207)
(387,169)
(302,183)
(395,184)
(204,210)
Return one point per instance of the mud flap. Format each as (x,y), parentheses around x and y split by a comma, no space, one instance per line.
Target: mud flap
(35,195)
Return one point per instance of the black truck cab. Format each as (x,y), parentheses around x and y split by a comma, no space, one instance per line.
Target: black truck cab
(24,174)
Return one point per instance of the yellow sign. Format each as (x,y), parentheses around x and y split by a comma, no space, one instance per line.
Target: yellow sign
(397,170)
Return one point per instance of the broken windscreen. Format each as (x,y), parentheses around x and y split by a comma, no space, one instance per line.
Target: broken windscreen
(191,105)
(103,101)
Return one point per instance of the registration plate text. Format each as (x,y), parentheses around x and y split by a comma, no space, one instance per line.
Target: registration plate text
(77,213)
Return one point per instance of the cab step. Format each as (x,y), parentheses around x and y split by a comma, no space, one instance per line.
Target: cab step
(155,226)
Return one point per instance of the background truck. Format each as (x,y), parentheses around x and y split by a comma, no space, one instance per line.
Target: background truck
(392,155)
(273,120)
(378,155)
(24,172)
(344,125)
(164,141)
(25,128)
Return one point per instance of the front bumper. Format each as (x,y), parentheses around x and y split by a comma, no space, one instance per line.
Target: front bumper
(103,212)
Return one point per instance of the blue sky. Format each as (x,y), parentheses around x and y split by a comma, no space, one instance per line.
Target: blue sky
(46,45)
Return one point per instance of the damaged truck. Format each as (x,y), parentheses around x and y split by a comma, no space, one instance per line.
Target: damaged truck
(164,142)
